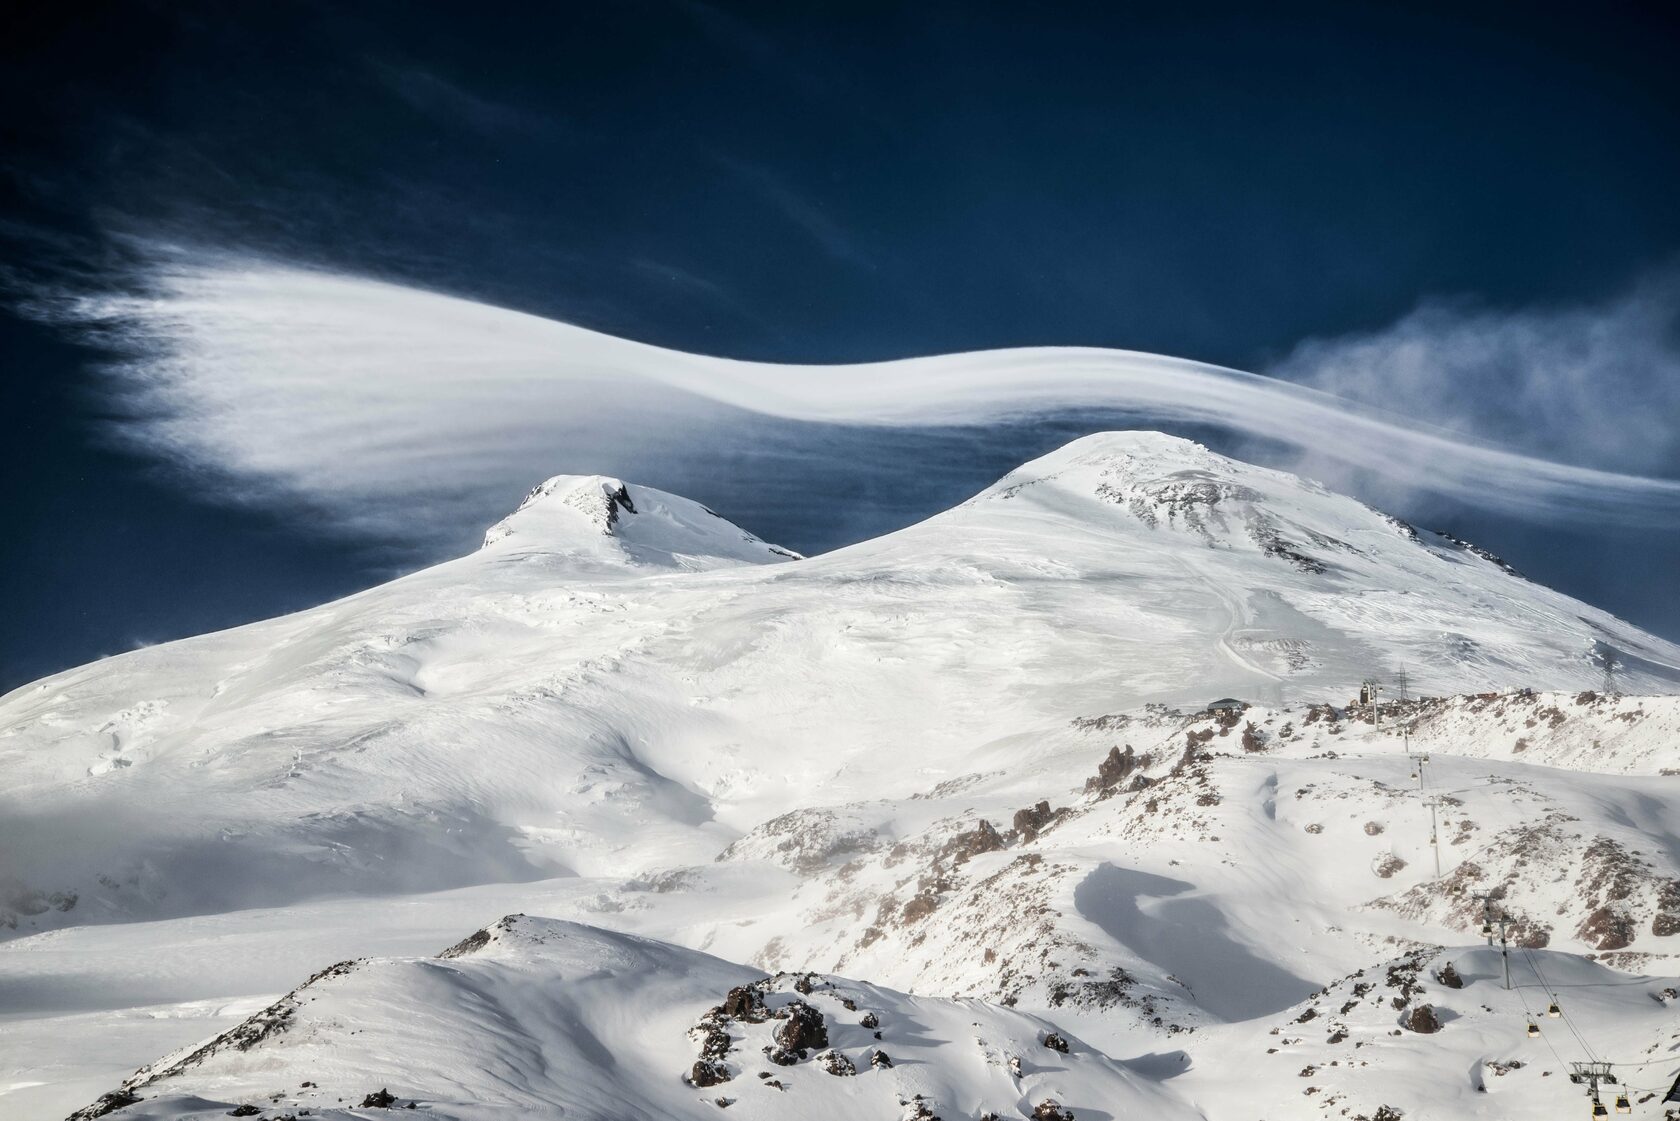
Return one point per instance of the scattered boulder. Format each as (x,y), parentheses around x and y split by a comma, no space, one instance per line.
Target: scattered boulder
(984,837)
(837,1064)
(1055,1042)
(803,1029)
(246,1110)
(1448,977)
(107,1103)
(1423,1020)
(1373,828)
(1051,1110)
(870,1021)
(381,1099)
(1387,864)
(709,1072)
(1113,770)
(879,1060)
(919,907)
(745,1002)
(1031,822)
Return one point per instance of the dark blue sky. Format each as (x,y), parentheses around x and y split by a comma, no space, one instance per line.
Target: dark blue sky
(817,183)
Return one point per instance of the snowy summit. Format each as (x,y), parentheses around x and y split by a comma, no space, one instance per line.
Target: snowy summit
(1073,801)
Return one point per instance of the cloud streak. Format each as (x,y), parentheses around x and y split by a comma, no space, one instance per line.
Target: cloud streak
(1591,385)
(396,410)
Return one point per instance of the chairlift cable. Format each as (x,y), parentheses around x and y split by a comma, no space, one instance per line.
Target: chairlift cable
(1567,1022)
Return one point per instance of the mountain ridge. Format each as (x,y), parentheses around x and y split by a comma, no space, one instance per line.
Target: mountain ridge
(970,760)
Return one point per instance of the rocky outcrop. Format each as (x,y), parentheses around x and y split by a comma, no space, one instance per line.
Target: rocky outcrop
(803,1028)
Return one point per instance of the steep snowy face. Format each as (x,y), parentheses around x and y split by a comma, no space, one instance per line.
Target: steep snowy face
(1261,584)
(604,518)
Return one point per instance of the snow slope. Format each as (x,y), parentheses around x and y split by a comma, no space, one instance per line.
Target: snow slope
(625,711)
(539,1018)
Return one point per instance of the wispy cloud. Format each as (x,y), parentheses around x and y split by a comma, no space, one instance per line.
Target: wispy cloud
(1597,385)
(803,212)
(413,414)
(434,95)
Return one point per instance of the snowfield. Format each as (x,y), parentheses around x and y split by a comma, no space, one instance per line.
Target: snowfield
(965,775)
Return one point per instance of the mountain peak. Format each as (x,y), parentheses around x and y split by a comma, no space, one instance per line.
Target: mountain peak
(607,518)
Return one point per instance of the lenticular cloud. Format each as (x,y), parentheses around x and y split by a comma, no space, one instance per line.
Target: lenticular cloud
(392,407)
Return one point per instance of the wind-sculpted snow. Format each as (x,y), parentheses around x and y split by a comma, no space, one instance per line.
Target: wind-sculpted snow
(969,760)
(538,1018)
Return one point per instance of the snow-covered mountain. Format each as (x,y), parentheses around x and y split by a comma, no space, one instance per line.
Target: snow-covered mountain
(971,760)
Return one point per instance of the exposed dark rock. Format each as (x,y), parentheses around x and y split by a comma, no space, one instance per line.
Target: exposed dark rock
(246,1110)
(745,1002)
(1051,1110)
(714,1044)
(1667,919)
(380,1099)
(1055,1042)
(108,1103)
(879,1060)
(1113,770)
(836,1063)
(1387,864)
(1448,976)
(982,838)
(870,1020)
(1607,928)
(709,1072)
(920,906)
(1034,820)
(1423,1020)
(472,943)
(803,1029)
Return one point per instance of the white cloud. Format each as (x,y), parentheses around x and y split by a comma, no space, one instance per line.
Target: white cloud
(398,410)
(1592,385)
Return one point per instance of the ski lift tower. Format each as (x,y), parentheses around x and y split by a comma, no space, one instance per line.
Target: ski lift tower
(1368,692)
(1592,1075)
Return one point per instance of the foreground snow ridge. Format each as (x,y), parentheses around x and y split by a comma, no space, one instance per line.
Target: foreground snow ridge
(962,785)
(537,1017)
